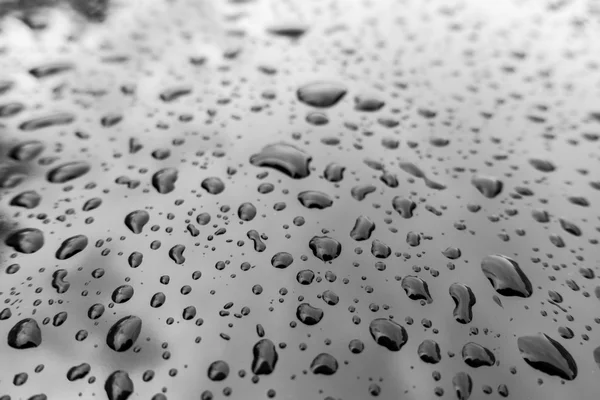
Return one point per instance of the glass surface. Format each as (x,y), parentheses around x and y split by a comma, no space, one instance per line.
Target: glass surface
(306,199)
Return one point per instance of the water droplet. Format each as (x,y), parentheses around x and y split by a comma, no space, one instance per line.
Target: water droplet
(264,357)
(403,206)
(506,276)
(429,351)
(68,171)
(26,240)
(475,355)
(246,211)
(308,314)
(464,300)
(118,386)
(282,260)
(136,220)
(71,247)
(488,186)
(388,333)
(218,371)
(25,334)
(324,364)
(463,385)
(164,180)
(315,199)
(547,355)
(285,158)
(47,121)
(78,372)
(325,248)
(28,199)
(123,334)
(321,94)
(213,185)
(416,288)
(363,227)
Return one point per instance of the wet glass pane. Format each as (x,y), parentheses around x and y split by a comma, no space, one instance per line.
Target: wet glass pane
(320,199)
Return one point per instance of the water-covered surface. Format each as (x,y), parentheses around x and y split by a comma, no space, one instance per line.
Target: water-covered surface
(299,199)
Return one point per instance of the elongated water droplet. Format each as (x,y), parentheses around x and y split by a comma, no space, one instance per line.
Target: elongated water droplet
(506,276)
(71,247)
(547,355)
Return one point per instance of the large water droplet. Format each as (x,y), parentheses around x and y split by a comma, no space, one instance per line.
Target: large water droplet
(464,300)
(68,171)
(308,314)
(404,206)
(123,334)
(71,247)
(136,220)
(25,334)
(488,186)
(218,371)
(321,94)
(213,185)
(547,355)
(264,357)
(285,158)
(325,248)
(475,355)
(429,351)
(26,240)
(324,364)
(416,288)
(388,333)
(118,386)
(164,180)
(506,276)
(315,199)
(363,227)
